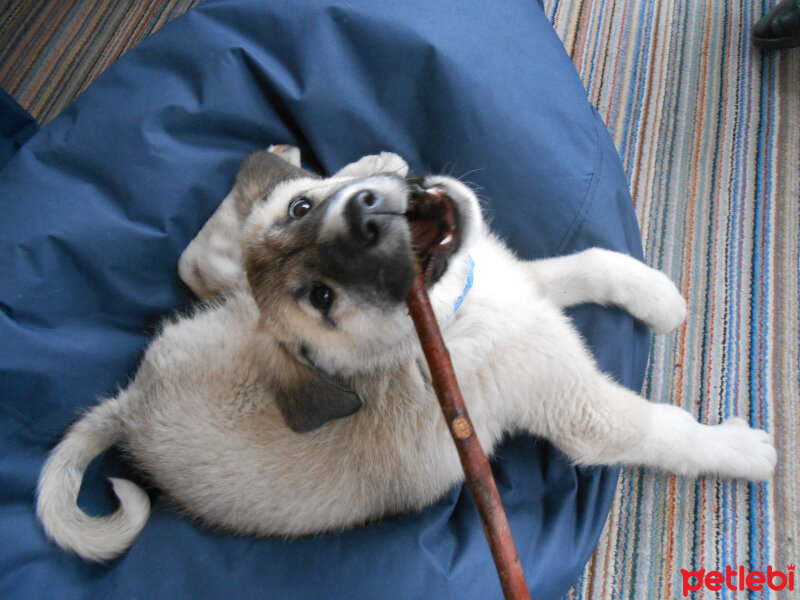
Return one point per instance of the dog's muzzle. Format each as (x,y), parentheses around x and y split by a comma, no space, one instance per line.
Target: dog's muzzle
(378,227)
(366,241)
(369,216)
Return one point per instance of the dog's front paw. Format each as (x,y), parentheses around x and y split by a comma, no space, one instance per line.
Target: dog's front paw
(747,453)
(660,304)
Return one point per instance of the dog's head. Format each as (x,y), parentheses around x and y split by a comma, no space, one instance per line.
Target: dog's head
(330,263)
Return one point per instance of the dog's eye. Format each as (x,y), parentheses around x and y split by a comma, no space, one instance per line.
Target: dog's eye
(321,297)
(299,207)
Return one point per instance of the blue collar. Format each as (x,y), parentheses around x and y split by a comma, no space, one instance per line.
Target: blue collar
(467,287)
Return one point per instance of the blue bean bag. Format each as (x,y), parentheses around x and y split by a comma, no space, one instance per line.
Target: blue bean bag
(96,208)
(16,127)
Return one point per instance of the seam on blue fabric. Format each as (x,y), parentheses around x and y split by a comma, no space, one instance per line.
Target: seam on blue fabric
(588,199)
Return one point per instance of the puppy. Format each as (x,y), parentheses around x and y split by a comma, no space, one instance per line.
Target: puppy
(296,400)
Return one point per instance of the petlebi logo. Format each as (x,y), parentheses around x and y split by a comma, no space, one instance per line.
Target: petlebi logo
(738,579)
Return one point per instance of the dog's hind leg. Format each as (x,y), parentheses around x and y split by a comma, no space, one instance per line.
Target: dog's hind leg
(606,277)
(608,424)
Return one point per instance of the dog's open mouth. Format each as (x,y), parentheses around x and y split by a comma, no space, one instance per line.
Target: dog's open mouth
(433,220)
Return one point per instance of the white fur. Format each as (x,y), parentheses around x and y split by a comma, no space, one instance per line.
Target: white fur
(200,419)
(385,162)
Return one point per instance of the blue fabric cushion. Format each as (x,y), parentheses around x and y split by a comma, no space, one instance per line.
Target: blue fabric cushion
(96,208)
(16,127)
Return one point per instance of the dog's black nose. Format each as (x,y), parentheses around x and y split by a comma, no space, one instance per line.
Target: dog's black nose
(365,213)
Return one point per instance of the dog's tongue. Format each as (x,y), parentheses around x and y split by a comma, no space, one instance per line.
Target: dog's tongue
(432,220)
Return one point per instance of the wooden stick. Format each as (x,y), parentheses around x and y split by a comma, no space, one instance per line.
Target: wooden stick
(473,459)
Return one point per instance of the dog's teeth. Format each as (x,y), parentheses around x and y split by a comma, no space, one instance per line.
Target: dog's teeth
(447,239)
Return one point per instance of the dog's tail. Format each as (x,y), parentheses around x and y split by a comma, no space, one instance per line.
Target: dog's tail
(100,538)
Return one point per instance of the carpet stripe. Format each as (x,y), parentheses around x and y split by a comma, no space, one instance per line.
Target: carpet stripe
(51,51)
(706,128)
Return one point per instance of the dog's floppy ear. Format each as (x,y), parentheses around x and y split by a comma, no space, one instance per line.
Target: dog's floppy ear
(385,162)
(290,154)
(309,398)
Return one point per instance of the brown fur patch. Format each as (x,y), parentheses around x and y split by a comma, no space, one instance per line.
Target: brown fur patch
(260,173)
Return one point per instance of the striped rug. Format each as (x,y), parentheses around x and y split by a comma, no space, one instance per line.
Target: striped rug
(51,50)
(709,132)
